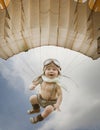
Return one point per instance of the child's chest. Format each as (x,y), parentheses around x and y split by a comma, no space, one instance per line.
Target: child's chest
(48,86)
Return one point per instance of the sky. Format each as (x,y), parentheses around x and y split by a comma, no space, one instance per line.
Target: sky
(80,108)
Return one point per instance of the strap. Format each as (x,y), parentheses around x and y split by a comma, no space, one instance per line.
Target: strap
(38,80)
(54,87)
(52,91)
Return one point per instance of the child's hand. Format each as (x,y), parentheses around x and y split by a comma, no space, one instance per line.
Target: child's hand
(32,87)
(56,107)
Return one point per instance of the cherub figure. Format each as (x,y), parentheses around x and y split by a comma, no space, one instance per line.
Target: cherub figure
(50,94)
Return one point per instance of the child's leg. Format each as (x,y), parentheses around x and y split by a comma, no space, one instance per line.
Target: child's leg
(33,99)
(35,105)
(49,109)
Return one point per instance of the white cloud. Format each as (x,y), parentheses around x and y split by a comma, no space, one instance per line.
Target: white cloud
(81,106)
(75,113)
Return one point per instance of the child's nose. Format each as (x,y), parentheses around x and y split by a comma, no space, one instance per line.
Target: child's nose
(51,70)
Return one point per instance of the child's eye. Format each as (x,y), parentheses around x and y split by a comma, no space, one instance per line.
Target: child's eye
(49,69)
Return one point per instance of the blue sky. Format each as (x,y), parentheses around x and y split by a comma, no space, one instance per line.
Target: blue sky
(13,106)
(80,108)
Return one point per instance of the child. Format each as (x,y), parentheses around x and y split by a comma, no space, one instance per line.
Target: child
(50,95)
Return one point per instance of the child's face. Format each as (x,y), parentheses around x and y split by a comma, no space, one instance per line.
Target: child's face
(51,72)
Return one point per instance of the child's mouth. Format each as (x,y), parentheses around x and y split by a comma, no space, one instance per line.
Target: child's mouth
(51,75)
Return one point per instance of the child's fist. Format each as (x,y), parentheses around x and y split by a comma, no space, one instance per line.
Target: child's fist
(32,87)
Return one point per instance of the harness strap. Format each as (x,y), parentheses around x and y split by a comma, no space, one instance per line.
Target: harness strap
(52,91)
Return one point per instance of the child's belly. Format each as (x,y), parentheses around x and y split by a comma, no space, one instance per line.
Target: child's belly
(47,95)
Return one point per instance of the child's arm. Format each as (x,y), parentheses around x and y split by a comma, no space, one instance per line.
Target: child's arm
(59,99)
(32,86)
(35,83)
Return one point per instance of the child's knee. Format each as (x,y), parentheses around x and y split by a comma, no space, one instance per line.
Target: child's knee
(49,109)
(32,98)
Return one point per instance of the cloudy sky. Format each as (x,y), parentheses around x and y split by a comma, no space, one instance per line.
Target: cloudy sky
(80,109)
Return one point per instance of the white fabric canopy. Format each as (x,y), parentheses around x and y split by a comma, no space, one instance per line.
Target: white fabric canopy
(27,24)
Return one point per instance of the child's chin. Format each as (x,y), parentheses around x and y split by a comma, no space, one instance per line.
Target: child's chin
(51,77)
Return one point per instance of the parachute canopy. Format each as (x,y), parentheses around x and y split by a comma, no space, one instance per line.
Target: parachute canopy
(26,24)
(81,1)
(4,3)
(95,5)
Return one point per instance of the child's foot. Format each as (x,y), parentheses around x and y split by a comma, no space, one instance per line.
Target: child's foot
(32,111)
(36,119)
(33,120)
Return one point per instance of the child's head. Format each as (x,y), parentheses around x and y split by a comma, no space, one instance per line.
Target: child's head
(51,68)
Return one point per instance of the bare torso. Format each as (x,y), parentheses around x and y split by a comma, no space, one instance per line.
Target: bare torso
(48,90)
